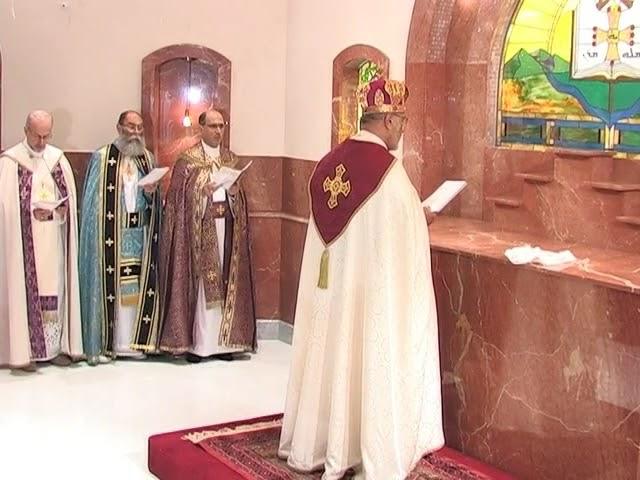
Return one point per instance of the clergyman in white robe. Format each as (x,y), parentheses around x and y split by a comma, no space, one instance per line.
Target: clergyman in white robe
(364,389)
(39,293)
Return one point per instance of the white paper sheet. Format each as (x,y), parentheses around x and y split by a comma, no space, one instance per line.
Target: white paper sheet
(527,254)
(444,194)
(226,176)
(48,205)
(154,176)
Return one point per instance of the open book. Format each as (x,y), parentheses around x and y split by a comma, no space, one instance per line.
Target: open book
(444,194)
(227,176)
(49,205)
(154,176)
(603,44)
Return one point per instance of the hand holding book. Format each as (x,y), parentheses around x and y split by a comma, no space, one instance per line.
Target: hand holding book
(445,193)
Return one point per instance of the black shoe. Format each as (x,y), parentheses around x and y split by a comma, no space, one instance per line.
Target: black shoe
(61,361)
(225,357)
(193,358)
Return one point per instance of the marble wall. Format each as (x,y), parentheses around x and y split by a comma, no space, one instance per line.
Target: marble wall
(538,365)
(453,64)
(539,369)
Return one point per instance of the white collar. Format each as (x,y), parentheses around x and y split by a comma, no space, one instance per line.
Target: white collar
(367,136)
(31,152)
(209,151)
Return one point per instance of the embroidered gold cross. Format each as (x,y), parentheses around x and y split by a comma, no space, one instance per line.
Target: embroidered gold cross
(336,186)
(603,3)
(220,209)
(109,242)
(614,36)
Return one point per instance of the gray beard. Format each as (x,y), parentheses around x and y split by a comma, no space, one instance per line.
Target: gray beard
(130,147)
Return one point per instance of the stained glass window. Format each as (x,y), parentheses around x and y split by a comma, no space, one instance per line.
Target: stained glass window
(358,73)
(571,75)
(366,72)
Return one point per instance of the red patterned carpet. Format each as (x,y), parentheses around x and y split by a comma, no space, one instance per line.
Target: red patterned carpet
(246,450)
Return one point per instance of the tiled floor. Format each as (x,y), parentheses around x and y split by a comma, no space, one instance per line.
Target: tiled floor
(93,423)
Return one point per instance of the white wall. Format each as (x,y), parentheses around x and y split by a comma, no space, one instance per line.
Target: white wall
(83,63)
(317,31)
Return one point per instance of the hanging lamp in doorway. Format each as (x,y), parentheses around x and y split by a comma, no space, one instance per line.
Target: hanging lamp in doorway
(186,120)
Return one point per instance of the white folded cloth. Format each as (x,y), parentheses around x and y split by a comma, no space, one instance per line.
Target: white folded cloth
(528,254)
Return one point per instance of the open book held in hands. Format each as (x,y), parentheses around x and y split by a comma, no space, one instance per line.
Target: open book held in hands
(49,205)
(443,195)
(154,176)
(227,176)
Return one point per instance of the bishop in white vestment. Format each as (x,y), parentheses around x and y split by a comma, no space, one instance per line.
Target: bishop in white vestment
(39,296)
(364,389)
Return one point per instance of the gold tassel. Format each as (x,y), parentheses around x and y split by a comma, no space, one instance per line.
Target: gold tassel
(323,279)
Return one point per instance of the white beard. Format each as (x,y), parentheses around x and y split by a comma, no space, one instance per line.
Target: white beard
(130,148)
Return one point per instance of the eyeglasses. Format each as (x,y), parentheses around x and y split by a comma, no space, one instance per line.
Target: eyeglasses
(133,128)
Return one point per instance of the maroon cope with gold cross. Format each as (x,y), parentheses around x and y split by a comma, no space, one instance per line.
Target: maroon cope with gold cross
(346,177)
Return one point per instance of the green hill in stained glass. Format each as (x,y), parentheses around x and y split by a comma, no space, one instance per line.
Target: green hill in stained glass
(560,64)
(525,64)
(522,65)
(541,83)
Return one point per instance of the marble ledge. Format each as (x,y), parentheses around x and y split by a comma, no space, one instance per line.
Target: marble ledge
(608,268)
(560,152)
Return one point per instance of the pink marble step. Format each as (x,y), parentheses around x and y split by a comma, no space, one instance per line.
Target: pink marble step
(570,154)
(616,186)
(505,201)
(539,178)
(629,220)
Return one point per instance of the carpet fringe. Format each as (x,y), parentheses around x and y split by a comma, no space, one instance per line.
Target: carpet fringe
(197,437)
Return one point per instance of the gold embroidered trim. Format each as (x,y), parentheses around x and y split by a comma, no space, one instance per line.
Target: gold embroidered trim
(145,348)
(197,437)
(129,300)
(211,305)
(175,350)
(336,186)
(49,317)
